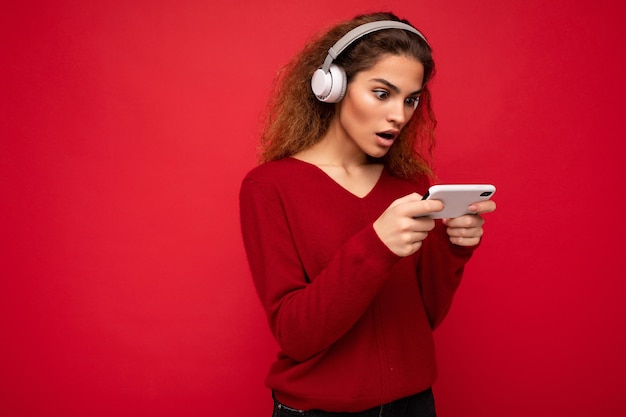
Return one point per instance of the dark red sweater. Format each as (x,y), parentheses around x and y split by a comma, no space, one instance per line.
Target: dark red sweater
(353,320)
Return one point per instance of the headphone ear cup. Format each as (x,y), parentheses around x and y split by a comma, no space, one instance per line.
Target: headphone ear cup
(329,87)
(340,83)
(321,83)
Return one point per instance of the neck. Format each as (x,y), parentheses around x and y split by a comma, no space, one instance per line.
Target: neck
(334,149)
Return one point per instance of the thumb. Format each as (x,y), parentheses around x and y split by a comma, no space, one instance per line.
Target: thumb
(407,199)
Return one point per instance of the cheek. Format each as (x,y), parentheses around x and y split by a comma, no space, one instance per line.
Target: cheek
(360,107)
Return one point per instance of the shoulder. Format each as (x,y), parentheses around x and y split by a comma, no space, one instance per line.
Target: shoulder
(286,177)
(273,170)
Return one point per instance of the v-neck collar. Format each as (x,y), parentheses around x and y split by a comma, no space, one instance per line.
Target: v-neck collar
(325,174)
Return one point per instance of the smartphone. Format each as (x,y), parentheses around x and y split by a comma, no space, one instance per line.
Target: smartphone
(458,197)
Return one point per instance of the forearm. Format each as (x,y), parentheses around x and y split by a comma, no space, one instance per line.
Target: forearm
(310,301)
(308,317)
(441,268)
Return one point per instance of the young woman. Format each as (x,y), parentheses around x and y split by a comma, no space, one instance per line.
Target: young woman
(352,274)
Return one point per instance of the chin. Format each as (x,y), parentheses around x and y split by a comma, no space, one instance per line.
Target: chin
(378,154)
(375,159)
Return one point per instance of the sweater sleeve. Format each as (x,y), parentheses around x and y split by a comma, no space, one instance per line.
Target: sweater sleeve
(440,268)
(307,314)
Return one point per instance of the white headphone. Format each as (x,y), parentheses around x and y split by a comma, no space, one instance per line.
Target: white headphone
(329,82)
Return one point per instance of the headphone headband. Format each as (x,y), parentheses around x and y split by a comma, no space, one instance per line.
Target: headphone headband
(360,31)
(329,82)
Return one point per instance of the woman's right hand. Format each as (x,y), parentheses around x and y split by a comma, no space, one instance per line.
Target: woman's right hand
(402,227)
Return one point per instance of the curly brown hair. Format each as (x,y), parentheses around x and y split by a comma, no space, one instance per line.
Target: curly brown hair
(295,119)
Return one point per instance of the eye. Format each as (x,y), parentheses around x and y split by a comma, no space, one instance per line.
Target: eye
(381,94)
(413,102)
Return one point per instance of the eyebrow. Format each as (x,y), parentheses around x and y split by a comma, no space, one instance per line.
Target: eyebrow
(393,87)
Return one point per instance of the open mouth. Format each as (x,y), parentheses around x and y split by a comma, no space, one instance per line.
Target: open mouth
(388,136)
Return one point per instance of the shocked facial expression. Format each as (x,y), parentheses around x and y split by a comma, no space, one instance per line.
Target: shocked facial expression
(379,102)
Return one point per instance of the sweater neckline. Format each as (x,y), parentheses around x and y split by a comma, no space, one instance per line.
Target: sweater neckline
(332,180)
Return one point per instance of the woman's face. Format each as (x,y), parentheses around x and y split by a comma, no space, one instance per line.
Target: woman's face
(379,102)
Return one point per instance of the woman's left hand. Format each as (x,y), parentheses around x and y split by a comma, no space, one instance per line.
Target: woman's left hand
(468,229)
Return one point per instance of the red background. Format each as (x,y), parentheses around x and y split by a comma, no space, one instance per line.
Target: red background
(127,127)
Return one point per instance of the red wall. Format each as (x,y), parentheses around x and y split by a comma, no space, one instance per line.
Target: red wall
(126,129)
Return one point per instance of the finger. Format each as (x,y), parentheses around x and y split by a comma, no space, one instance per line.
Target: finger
(461,232)
(483,207)
(422,224)
(424,207)
(418,236)
(466,221)
(409,198)
(464,241)
(410,249)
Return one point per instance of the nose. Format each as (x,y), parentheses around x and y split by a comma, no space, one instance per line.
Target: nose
(397,112)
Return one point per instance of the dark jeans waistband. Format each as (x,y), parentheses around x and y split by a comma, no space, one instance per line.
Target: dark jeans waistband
(421,404)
